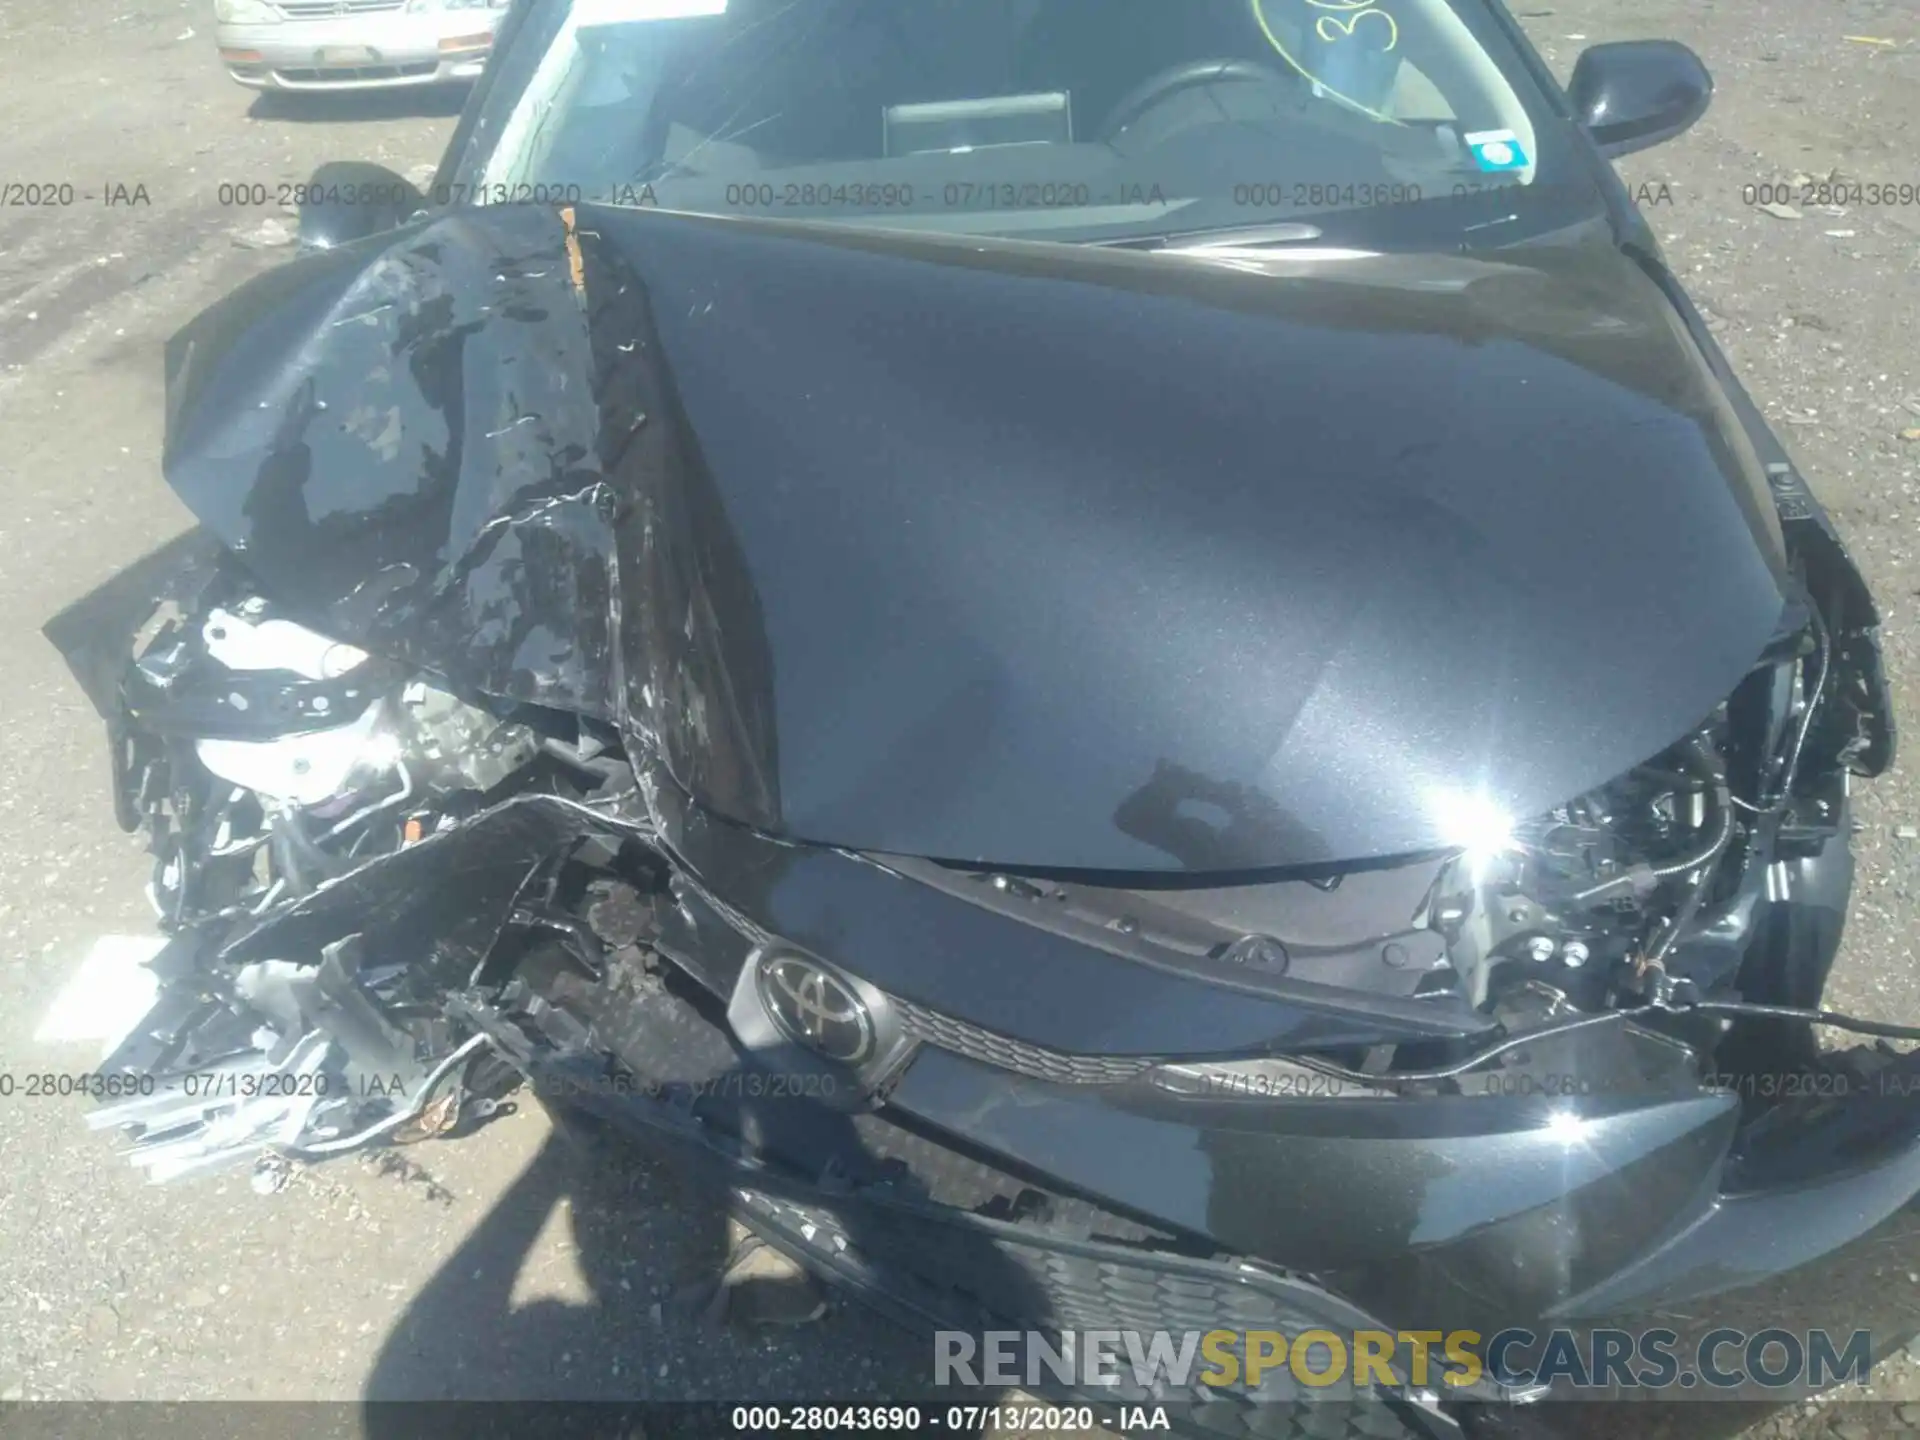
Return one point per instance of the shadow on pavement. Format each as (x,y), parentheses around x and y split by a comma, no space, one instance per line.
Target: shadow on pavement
(652,1244)
(334,107)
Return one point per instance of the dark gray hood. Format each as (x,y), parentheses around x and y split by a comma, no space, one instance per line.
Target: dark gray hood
(991,551)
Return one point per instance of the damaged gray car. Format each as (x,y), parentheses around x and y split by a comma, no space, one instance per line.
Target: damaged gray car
(1131,665)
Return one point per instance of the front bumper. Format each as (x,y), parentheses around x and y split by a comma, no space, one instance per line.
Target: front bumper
(360,52)
(1632,1192)
(1484,1212)
(940,1232)
(1452,1212)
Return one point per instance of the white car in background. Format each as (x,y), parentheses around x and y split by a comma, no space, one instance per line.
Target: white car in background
(354,44)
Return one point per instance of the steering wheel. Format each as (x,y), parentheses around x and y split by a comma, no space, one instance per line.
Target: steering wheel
(1158,86)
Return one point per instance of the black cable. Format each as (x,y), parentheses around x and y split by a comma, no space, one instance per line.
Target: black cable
(1512,1042)
(1783,791)
(1711,776)
(1707,854)
(1832,1018)
(1697,892)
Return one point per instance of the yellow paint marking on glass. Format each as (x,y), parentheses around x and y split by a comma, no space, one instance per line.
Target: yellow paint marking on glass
(1359,12)
(1320,26)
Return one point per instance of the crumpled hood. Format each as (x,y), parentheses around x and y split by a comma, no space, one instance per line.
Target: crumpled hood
(1032,554)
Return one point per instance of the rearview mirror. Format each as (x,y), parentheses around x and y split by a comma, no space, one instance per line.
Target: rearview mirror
(1638,93)
(349,200)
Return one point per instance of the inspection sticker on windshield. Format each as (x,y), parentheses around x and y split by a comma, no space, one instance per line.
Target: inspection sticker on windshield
(628,12)
(1497,150)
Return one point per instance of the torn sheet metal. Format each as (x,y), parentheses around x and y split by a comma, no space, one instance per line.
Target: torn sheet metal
(402,438)
(1107,571)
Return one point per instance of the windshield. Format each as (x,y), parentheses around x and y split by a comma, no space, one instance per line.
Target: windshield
(1111,120)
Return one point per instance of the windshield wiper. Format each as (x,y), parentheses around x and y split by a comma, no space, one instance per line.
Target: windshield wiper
(1236,237)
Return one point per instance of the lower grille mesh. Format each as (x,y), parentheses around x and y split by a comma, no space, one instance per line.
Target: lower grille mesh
(962,1277)
(327,9)
(337,73)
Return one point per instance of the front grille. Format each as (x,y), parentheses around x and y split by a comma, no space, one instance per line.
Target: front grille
(946,1033)
(338,73)
(323,9)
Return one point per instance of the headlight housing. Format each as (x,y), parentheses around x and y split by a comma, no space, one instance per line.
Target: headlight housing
(245,12)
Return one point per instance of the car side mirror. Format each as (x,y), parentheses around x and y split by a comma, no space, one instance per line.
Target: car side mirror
(1638,93)
(348,200)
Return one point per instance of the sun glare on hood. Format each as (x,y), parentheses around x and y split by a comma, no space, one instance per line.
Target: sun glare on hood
(1477,824)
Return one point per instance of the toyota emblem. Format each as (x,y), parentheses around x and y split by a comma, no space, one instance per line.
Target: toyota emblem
(814,1007)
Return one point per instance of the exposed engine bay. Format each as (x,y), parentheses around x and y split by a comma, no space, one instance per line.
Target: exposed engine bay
(263,761)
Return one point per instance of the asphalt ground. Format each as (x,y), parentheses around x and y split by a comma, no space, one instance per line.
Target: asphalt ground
(510,1266)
